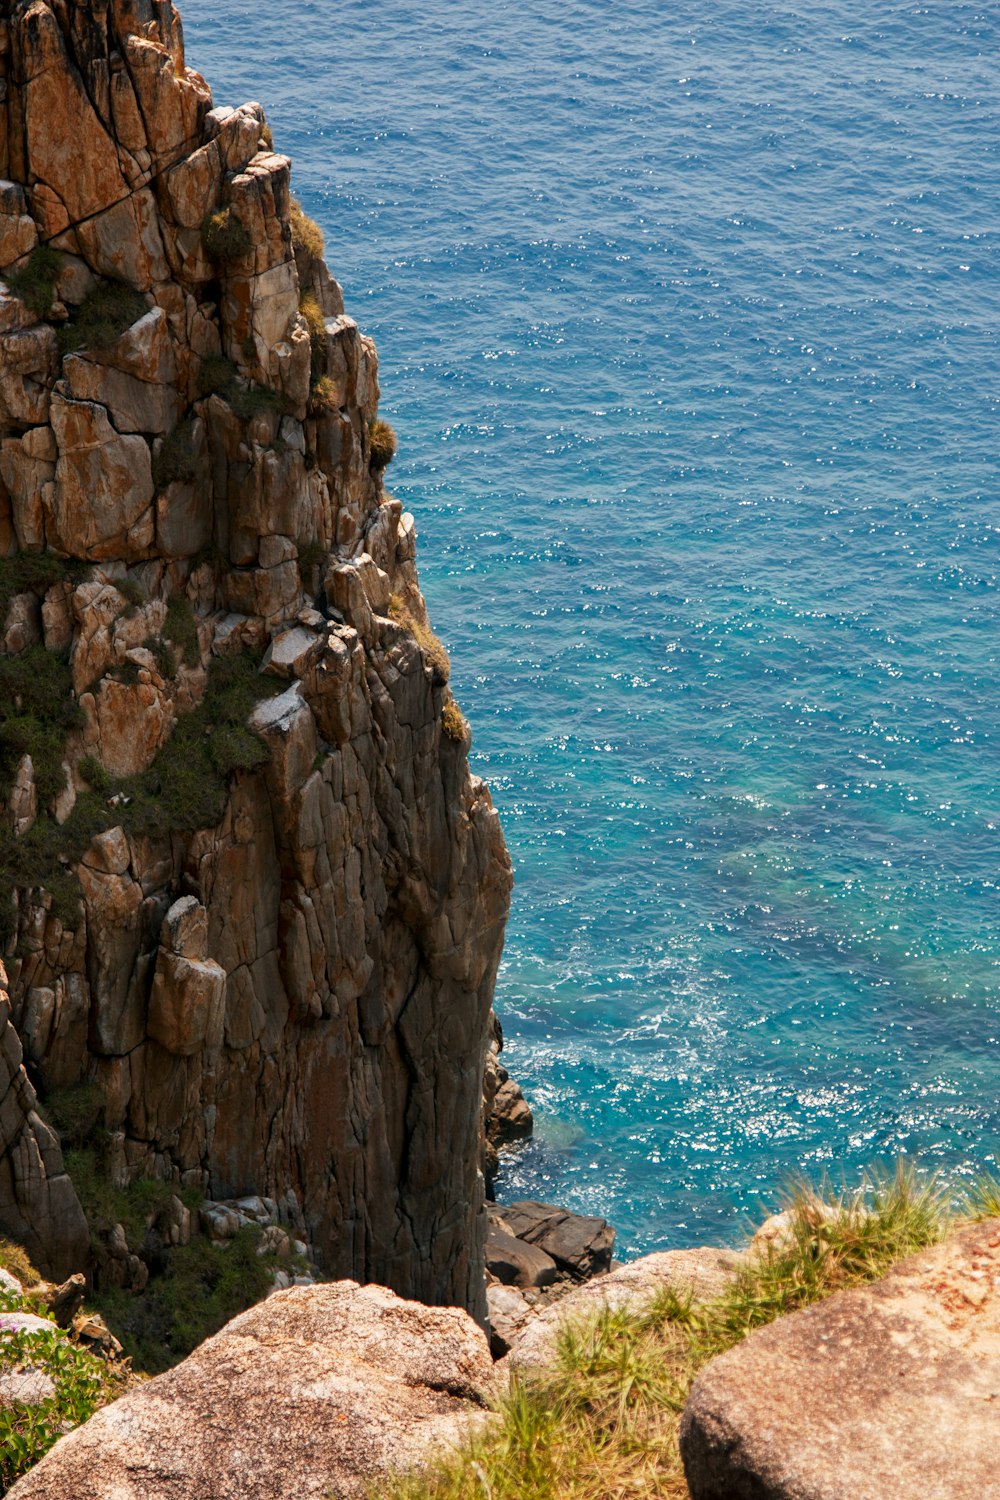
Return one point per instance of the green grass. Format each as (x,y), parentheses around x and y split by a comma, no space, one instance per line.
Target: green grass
(35,282)
(102,317)
(602,1419)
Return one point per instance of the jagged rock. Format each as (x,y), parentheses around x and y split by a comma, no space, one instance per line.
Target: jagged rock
(319,1391)
(328,1036)
(65,1301)
(580,1244)
(702,1273)
(884,1390)
(510,1118)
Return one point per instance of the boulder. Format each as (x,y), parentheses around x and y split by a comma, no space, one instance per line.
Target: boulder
(509,1312)
(515,1262)
(702,1273)
(318,1391)
(580,1244)
(884,1392)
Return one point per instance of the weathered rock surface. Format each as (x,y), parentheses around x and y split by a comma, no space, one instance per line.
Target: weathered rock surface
(701,1273)
(891,1390)
(316,1392)
(580,1244)
(324,1036)
(516,1262)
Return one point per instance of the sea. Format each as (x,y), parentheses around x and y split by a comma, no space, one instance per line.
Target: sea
(688,327)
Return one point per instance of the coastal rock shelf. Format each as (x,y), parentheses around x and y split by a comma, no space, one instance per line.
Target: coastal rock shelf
(252,893)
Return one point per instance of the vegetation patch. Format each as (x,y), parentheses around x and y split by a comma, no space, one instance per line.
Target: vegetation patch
(35,282)
(102,317)
(323,397)
(307,237)
(83,1383)
(175,461)
(181,628)
(37,571)
(382,441)
(218,376)
(453,721)
(316,323)
(14,1258)
(603,1419)
(225,238)
(37,714)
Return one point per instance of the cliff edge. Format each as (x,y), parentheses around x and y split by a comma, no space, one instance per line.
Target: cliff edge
(253,899)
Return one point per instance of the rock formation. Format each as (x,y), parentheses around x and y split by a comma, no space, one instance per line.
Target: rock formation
(319,1391)
(271,943)
(887,1390)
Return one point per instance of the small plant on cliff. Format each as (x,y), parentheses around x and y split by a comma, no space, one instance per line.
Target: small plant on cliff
(181,628)
(225,238)
(35,281)
(602,1419)
(453,721)
(32,571)
(316,323)
(307,237)
(433,649)
(82,1381)
(37,713)
(175,461)
(218,376)
(382,443)
(323,397)
(106,312)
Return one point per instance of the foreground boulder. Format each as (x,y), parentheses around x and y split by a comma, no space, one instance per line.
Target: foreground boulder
(316,1392)
(885,1392)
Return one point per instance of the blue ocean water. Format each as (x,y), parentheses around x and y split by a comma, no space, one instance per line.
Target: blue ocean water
(687,319)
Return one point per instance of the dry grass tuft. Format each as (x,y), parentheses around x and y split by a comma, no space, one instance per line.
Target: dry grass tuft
(307,237)
(454,722)
(601,1422)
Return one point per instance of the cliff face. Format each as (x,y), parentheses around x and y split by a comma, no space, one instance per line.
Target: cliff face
(261,909)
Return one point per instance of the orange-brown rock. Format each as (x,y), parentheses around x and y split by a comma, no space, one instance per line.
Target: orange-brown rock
(326,1038)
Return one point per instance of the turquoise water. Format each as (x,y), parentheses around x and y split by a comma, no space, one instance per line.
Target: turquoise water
(688,327)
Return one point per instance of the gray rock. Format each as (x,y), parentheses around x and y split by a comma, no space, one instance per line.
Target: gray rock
(886,1392)
(580,1244)
(515,1262)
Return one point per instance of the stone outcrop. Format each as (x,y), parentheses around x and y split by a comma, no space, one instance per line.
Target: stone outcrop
(318,1391)
(288,996)
(891,1389)
(530,1332)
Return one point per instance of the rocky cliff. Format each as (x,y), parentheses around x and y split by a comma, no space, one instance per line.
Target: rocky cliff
(251,892)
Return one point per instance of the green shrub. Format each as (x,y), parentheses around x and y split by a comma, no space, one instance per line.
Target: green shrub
(312,555)
(175,462)
(76,1113)
(225,238)
(307,237)
(234,748)
(163,655)
(94,774)
(38,711)
(382,442)
(181,628)
(33,571)
(102,317)
(35,282)
(83,1383)
(192,1293)
(218,376)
